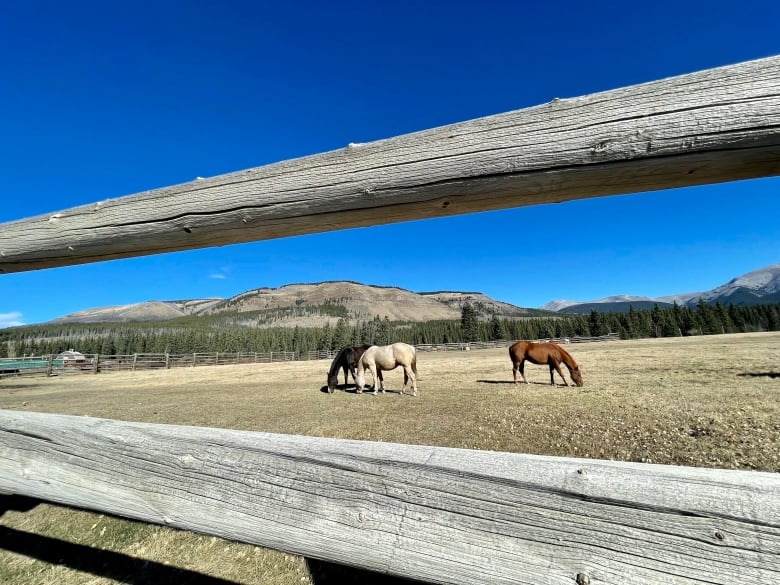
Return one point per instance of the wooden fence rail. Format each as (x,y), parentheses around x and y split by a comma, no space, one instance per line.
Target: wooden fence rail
(98,363)
(441,515)
(716,125)
(428,513)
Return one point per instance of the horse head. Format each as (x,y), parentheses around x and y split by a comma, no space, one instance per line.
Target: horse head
(576,376)
(333,381)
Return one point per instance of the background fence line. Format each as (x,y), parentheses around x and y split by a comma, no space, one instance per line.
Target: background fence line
(51,365)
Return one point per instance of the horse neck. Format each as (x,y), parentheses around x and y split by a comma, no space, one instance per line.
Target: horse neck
(567,359)
(337,361)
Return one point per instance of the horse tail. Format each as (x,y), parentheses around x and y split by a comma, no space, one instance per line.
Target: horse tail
(414,364)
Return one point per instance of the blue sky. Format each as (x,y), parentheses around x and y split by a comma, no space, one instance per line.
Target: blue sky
(104,99)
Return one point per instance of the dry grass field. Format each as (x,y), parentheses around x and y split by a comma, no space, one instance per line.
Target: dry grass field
(706,401)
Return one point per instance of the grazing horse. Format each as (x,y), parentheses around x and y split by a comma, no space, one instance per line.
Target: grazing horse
(388,357)
(347,359)
(551,354)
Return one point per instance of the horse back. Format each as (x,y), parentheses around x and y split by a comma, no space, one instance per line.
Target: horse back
(536,353)
(357,353)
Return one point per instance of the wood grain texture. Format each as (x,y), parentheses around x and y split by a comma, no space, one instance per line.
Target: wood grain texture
(440,515)
(716,125)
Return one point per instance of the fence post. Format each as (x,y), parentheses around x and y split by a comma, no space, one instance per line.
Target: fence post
(95,363)
(49,365)
(167,361)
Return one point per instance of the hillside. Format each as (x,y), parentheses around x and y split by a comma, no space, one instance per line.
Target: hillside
(148,311)
(310,305)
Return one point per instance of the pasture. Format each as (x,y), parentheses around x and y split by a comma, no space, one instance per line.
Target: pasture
(709,401)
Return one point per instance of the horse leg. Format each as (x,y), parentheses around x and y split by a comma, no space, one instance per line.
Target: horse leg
(354,377)
(556,366)
(375,376)
(360,381)
(521,367)
(409,375)
(346,375)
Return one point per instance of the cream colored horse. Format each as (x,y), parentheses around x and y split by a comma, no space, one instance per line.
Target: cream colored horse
(388,357)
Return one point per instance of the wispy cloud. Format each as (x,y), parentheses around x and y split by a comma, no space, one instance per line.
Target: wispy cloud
(218,276)
(13,319)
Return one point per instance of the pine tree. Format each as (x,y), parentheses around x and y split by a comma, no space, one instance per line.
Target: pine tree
(383,332)
(341,335)
(708,318)
(496,328)
(469,323)
(594,323)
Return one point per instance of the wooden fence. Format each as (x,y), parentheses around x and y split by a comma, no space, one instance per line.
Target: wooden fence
(427,513)
(49,365)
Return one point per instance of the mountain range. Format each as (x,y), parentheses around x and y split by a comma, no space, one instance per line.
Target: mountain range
(317,304)
(310,305)
(753,288)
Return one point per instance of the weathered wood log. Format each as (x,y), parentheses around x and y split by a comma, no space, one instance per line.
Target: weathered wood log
(716,125)
(440,515)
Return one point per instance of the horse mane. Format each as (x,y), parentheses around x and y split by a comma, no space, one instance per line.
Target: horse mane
(334,367)
(567,359)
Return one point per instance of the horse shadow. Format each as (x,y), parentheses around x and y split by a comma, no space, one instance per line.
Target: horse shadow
(760,374)
(495,382)
(352,389)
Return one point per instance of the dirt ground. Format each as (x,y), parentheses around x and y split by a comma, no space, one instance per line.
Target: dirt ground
(709,401)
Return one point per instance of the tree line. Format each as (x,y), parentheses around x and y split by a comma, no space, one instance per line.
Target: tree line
(232,335)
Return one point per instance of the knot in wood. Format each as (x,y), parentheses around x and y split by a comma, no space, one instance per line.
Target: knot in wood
(583,579)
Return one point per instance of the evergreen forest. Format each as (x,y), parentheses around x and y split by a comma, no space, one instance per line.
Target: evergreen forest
(230,335)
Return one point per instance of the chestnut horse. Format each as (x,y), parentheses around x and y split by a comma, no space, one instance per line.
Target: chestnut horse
(347,360)
(551,354)
(388,357)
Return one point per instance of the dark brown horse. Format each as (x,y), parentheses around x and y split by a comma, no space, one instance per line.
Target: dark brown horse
(347,359)
(551,354)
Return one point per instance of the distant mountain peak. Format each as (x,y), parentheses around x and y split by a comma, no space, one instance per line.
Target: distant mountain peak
(755,287)
(558,305)
(766,279)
